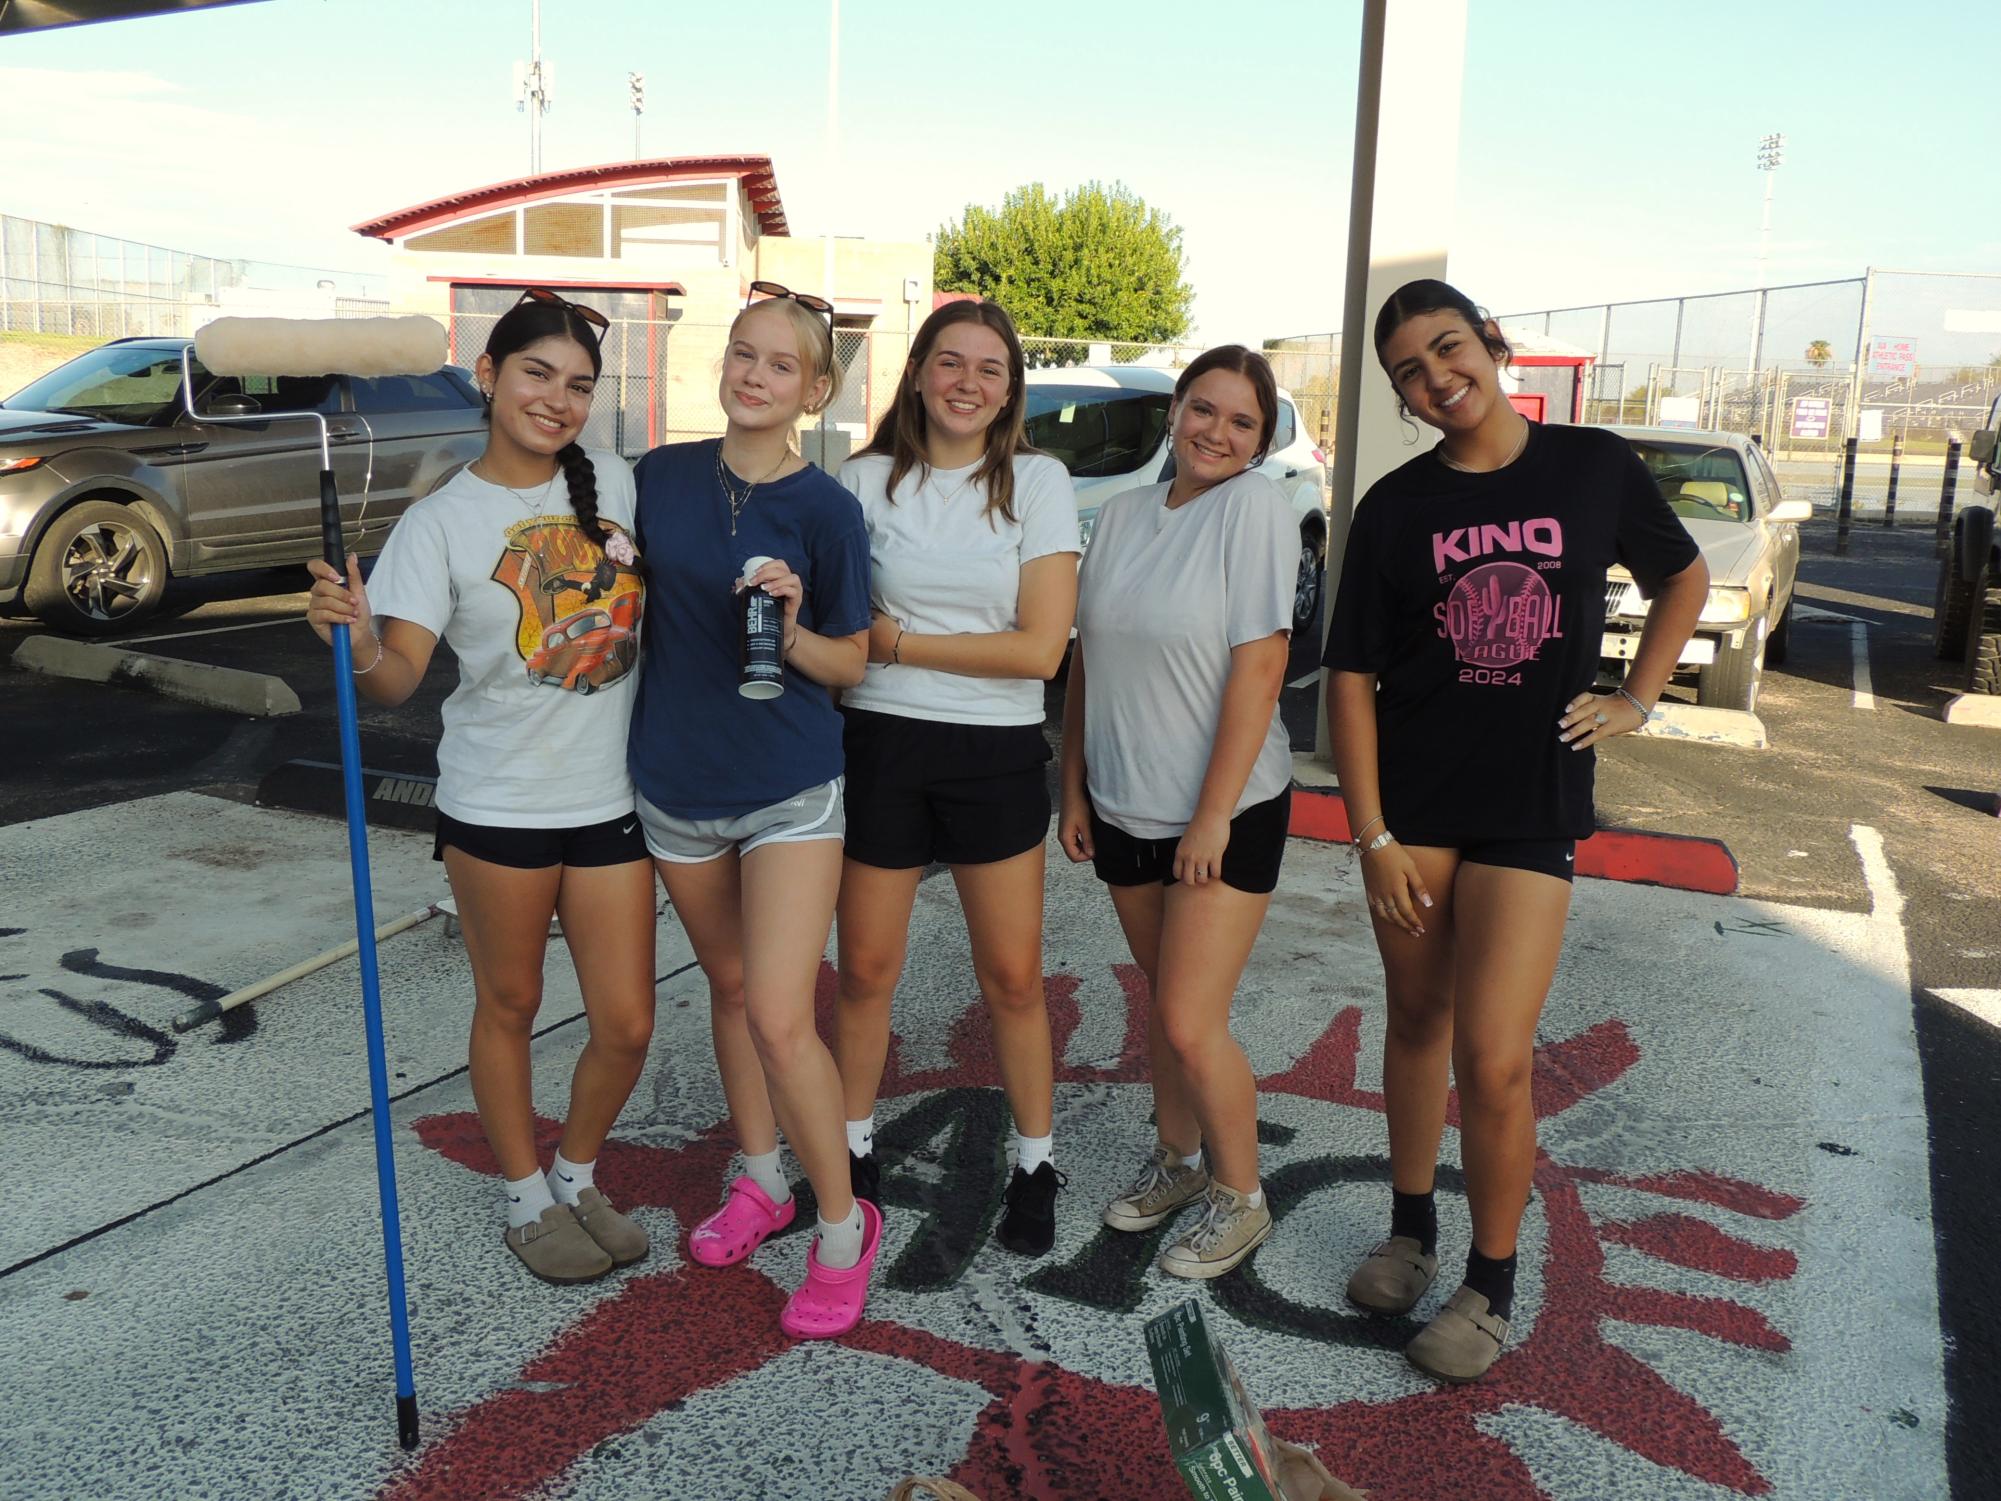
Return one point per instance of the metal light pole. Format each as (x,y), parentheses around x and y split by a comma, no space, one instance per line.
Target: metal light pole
(534,83)
(1771,156)
(637,83)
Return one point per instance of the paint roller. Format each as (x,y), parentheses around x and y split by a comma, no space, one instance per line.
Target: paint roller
(281,347)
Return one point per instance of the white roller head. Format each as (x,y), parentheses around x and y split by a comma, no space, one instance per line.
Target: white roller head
(413,345)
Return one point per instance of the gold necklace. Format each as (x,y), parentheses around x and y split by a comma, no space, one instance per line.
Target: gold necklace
(735,502)
(1520,443)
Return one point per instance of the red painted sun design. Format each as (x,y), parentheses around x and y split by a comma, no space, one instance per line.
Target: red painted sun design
(1049,1432)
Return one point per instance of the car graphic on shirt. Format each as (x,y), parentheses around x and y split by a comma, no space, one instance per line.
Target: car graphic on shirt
(577,645)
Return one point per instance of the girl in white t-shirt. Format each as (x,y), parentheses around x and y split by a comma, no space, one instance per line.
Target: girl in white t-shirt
(973,552)
(523,564)
(1177,778)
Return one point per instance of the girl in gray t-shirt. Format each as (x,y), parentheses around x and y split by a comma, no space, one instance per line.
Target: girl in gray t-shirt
(1177,777)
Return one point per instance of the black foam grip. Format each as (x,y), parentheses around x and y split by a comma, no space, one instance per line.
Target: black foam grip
(406,1421)
(330,543)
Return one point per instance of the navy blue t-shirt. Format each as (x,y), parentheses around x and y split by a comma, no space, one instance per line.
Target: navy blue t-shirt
(1478,601)
(698,748)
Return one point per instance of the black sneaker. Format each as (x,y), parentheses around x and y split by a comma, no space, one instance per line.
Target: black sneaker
(865,1178)
(1029,1225)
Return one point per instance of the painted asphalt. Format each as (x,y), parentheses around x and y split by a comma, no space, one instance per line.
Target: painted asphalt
(1727,1285)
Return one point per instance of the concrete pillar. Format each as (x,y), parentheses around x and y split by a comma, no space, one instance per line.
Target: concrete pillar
(1406,175)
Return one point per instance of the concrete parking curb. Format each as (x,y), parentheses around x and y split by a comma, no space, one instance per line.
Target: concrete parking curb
(254,693)
(1642,857)
(1983,709)
(1737,727)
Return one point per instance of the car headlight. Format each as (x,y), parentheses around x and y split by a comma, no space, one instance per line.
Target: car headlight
(1727,606)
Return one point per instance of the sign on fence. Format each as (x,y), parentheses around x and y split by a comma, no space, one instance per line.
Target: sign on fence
(1681,411)
(1870,428)
(1811,415)
(1893,359)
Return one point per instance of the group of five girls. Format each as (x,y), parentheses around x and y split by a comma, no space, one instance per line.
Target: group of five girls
(598,736)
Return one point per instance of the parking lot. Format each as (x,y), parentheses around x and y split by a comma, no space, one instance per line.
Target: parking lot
(1768,1112)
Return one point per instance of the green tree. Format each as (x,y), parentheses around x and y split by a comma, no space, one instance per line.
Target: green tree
(1095,264)
(1818,353)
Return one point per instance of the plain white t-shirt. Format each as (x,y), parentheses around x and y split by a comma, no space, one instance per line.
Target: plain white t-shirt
(546,631)
(1163,597)
(941,565)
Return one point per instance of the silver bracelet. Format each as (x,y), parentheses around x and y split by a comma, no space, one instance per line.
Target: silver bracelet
(1386,837)
(377,662)
(1645,713)
(1357,839)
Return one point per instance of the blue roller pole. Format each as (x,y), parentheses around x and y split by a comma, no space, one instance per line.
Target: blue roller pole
(371,987)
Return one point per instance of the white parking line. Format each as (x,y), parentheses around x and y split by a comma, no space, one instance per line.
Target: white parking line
(1311,677)
(215,630)
(1865,688)
(1985,1004)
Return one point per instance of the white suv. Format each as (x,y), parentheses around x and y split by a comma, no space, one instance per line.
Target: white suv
(1108,424)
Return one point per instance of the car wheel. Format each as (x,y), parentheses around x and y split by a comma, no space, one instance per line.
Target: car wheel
(1780,642)
(1983,637)
(585,687)
(1952,610)
(97,569)
(1306,589)
(1731,681)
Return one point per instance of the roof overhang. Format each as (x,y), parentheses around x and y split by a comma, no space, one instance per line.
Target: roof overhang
(46,15)
(754,172)
(588,284)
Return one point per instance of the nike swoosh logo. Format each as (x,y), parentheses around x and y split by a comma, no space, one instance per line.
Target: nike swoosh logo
(626,830)
(566,1177)
(1566,860)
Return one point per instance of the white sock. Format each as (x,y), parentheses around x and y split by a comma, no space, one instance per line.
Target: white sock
(526,1199)
(861,1136)
(764,1171)
(1255,1199)
(840,1246)
(1030,1152)
(568,1180)
(1193,1159)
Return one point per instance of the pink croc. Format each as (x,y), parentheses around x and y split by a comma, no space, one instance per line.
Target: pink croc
(740,1226)
(829,1302)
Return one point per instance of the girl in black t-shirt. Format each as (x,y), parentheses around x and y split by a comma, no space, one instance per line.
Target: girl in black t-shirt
(1462,650)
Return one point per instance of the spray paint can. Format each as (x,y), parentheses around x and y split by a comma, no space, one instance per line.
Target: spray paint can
(761,663)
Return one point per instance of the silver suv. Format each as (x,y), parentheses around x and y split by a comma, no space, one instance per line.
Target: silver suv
(107,486)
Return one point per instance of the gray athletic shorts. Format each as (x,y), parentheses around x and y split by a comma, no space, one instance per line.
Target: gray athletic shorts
(816,813)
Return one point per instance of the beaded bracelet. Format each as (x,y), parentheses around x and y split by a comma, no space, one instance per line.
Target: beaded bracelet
(374,663)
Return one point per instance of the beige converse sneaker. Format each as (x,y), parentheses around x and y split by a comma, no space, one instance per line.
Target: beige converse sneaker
(1462,1342)
(1394,1277)
(620,1239)
(558,1249)
(1163,1187)
(1228,1232)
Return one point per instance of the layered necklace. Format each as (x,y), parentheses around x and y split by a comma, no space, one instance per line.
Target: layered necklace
(1520,443)
(728,481)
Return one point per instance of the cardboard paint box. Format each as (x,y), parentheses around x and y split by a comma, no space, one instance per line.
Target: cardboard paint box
(1214,1432)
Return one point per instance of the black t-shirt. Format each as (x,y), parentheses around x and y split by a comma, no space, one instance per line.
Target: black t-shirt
(1478,600)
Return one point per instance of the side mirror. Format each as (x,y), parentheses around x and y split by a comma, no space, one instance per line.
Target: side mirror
(231,404)
(1792,510)
(1982,447)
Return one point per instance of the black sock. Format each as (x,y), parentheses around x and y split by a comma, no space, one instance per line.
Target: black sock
(1416,1215)
(1493,1279)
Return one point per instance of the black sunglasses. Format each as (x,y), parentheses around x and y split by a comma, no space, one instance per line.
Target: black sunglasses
(548,298)
(805,299)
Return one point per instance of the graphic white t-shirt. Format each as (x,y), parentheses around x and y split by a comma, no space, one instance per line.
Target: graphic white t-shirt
(1163,597)
(546,631)
(942,566)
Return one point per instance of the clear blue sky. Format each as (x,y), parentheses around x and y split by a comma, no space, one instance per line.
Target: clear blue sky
(1607,150)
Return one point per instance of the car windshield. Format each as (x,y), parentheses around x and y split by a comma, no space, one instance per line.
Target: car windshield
(118,382)
(1701,482)
(1096,430)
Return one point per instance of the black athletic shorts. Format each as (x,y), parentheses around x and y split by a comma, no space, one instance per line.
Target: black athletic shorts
(1549,857)
(616,841)
(919,791)
(1250,860)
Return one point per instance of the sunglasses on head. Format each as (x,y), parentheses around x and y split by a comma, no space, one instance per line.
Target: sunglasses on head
(805,299)
(543,295)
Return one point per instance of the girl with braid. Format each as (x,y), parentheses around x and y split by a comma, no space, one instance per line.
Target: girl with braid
(523,563)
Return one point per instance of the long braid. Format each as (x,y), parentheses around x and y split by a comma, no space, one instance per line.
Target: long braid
(583,480)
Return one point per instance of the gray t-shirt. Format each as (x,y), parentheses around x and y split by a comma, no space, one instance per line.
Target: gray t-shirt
(1163,597)
(546,631)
